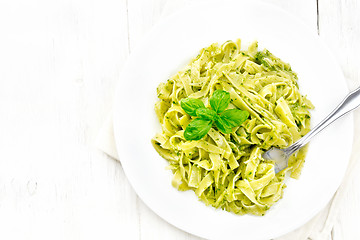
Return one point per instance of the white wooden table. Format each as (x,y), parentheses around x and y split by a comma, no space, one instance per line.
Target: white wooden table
(59,63)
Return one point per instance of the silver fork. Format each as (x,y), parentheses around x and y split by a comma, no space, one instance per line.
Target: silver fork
(281,156)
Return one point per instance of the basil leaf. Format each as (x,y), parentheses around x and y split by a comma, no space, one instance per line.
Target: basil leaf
(190,105)
(220,100)
(234,117)
(206,113)
(197,129)
(223,126)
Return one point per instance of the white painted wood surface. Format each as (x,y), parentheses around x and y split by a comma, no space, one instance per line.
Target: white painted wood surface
(59,64)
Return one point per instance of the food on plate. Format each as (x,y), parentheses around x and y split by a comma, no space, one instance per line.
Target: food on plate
(219,114)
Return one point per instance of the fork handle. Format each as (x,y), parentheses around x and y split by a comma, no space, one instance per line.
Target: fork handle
(349,103)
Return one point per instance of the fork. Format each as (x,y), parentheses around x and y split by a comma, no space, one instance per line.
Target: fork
(281,156)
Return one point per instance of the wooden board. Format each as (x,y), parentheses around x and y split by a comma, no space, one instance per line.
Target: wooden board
(59,64)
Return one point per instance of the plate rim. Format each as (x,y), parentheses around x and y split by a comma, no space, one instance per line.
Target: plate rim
(116,115)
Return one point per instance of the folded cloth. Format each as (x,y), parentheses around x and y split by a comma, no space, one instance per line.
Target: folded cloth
(106,140)
(318,228)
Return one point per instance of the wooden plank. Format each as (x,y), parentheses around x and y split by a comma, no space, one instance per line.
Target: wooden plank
(339,27)
(142,16)
(60,62)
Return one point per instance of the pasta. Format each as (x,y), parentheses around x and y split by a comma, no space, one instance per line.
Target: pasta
(226,170)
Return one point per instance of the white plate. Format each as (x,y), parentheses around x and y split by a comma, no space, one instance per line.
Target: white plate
(167,49)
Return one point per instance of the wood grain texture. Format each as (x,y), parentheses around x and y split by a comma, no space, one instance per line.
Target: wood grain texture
(60,62)
(339,27)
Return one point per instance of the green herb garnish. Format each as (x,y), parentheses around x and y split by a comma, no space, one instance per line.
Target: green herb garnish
(190,105)
(224,120)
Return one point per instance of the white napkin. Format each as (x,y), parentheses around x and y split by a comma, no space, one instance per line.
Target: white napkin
(106,140)
(318,228)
